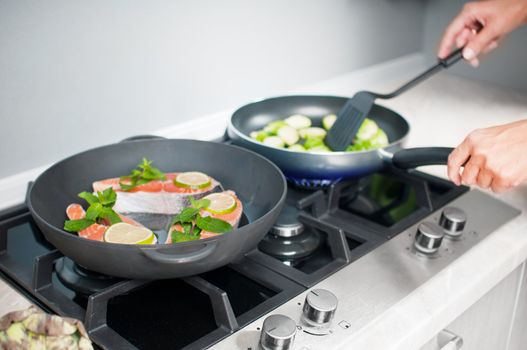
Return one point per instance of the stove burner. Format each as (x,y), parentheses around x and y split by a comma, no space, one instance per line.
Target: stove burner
(287,224)
(293,249)
(81,280)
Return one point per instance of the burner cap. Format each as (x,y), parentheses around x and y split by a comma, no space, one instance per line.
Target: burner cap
(80,279)
(287,224)
(291,250)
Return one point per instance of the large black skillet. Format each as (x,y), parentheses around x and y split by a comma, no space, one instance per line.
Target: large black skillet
(321,169)
(258,183)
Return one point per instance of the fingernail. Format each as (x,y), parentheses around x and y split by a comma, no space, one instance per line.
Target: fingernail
(474,63)
(468,54)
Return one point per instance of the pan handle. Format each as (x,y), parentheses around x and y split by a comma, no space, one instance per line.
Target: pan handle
(171,258)
(413,157)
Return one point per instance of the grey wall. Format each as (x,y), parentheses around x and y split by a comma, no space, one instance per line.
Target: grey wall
(505,66)
(77,74)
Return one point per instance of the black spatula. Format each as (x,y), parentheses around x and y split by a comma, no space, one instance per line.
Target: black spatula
(351,116)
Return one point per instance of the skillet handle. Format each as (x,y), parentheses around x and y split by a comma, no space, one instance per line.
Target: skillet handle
(413,157)
(157,255)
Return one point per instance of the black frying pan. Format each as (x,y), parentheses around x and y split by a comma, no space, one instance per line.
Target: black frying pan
(258,183)
(322,169)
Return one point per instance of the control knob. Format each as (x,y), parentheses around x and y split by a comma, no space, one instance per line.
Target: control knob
(319,307)
(453,221)
(428,237)
(278,333)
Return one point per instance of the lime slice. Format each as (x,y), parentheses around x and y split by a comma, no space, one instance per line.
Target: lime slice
(128,234)
(220,203)
(192,179)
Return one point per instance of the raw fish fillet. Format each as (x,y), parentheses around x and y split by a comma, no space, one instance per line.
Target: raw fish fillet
(155,197)
(232,218)
(96,231)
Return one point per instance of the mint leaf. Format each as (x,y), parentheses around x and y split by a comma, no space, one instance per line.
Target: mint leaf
(196,231)
(127,187)
(200,203)
(77,225)
(152,174)
(107,197)
(186,228)
(89,197)
(110,215)
(182,237)
(100,208)
(94,211)
(188,214)
(144,173)
(212,224)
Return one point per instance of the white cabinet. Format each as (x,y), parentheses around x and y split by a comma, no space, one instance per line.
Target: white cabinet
(518,339)
(486,325)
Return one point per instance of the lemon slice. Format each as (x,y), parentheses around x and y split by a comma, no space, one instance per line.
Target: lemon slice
(220,203)
(128,234)
(192,179)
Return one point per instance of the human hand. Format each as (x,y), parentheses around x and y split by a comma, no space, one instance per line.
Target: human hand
(495,157)
(480,25)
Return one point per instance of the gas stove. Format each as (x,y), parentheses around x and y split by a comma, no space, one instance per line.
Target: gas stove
(272,297)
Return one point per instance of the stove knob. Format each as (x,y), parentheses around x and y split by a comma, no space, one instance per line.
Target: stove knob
(453,221)
(319,307)
(278,333)
(428,237)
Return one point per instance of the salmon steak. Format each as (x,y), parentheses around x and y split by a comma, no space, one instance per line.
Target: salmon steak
(233,218)
(154,203)
(95,231)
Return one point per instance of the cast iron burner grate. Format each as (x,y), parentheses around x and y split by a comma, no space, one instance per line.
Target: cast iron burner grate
(132,314)
(353,218)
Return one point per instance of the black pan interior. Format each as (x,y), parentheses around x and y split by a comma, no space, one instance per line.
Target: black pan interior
(256,115)
(256,181)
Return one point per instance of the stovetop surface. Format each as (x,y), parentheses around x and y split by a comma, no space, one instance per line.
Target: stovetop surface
(349,219)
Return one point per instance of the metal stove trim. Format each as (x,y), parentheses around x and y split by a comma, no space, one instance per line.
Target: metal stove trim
(378,280)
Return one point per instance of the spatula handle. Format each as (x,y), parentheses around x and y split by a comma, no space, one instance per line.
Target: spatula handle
(452,58)
(441,64)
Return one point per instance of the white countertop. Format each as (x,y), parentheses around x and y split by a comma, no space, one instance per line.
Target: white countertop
(441,112)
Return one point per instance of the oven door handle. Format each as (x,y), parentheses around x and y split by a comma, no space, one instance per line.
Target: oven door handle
(449,341)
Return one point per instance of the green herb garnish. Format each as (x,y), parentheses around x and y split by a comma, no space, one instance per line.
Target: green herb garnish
(211,224)
(143,174)
(100,209)
(193,223)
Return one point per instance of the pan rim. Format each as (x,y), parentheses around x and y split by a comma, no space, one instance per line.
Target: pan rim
(314,154)
(71,235)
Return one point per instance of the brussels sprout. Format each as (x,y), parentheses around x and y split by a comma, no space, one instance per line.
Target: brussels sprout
(274,141)
(313,132)
(288,134)
(298,121)
(379,140)
(328,121)
(273,127)
(367,130)
(297,148)
(359,145)
(313,142)
(260,135)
